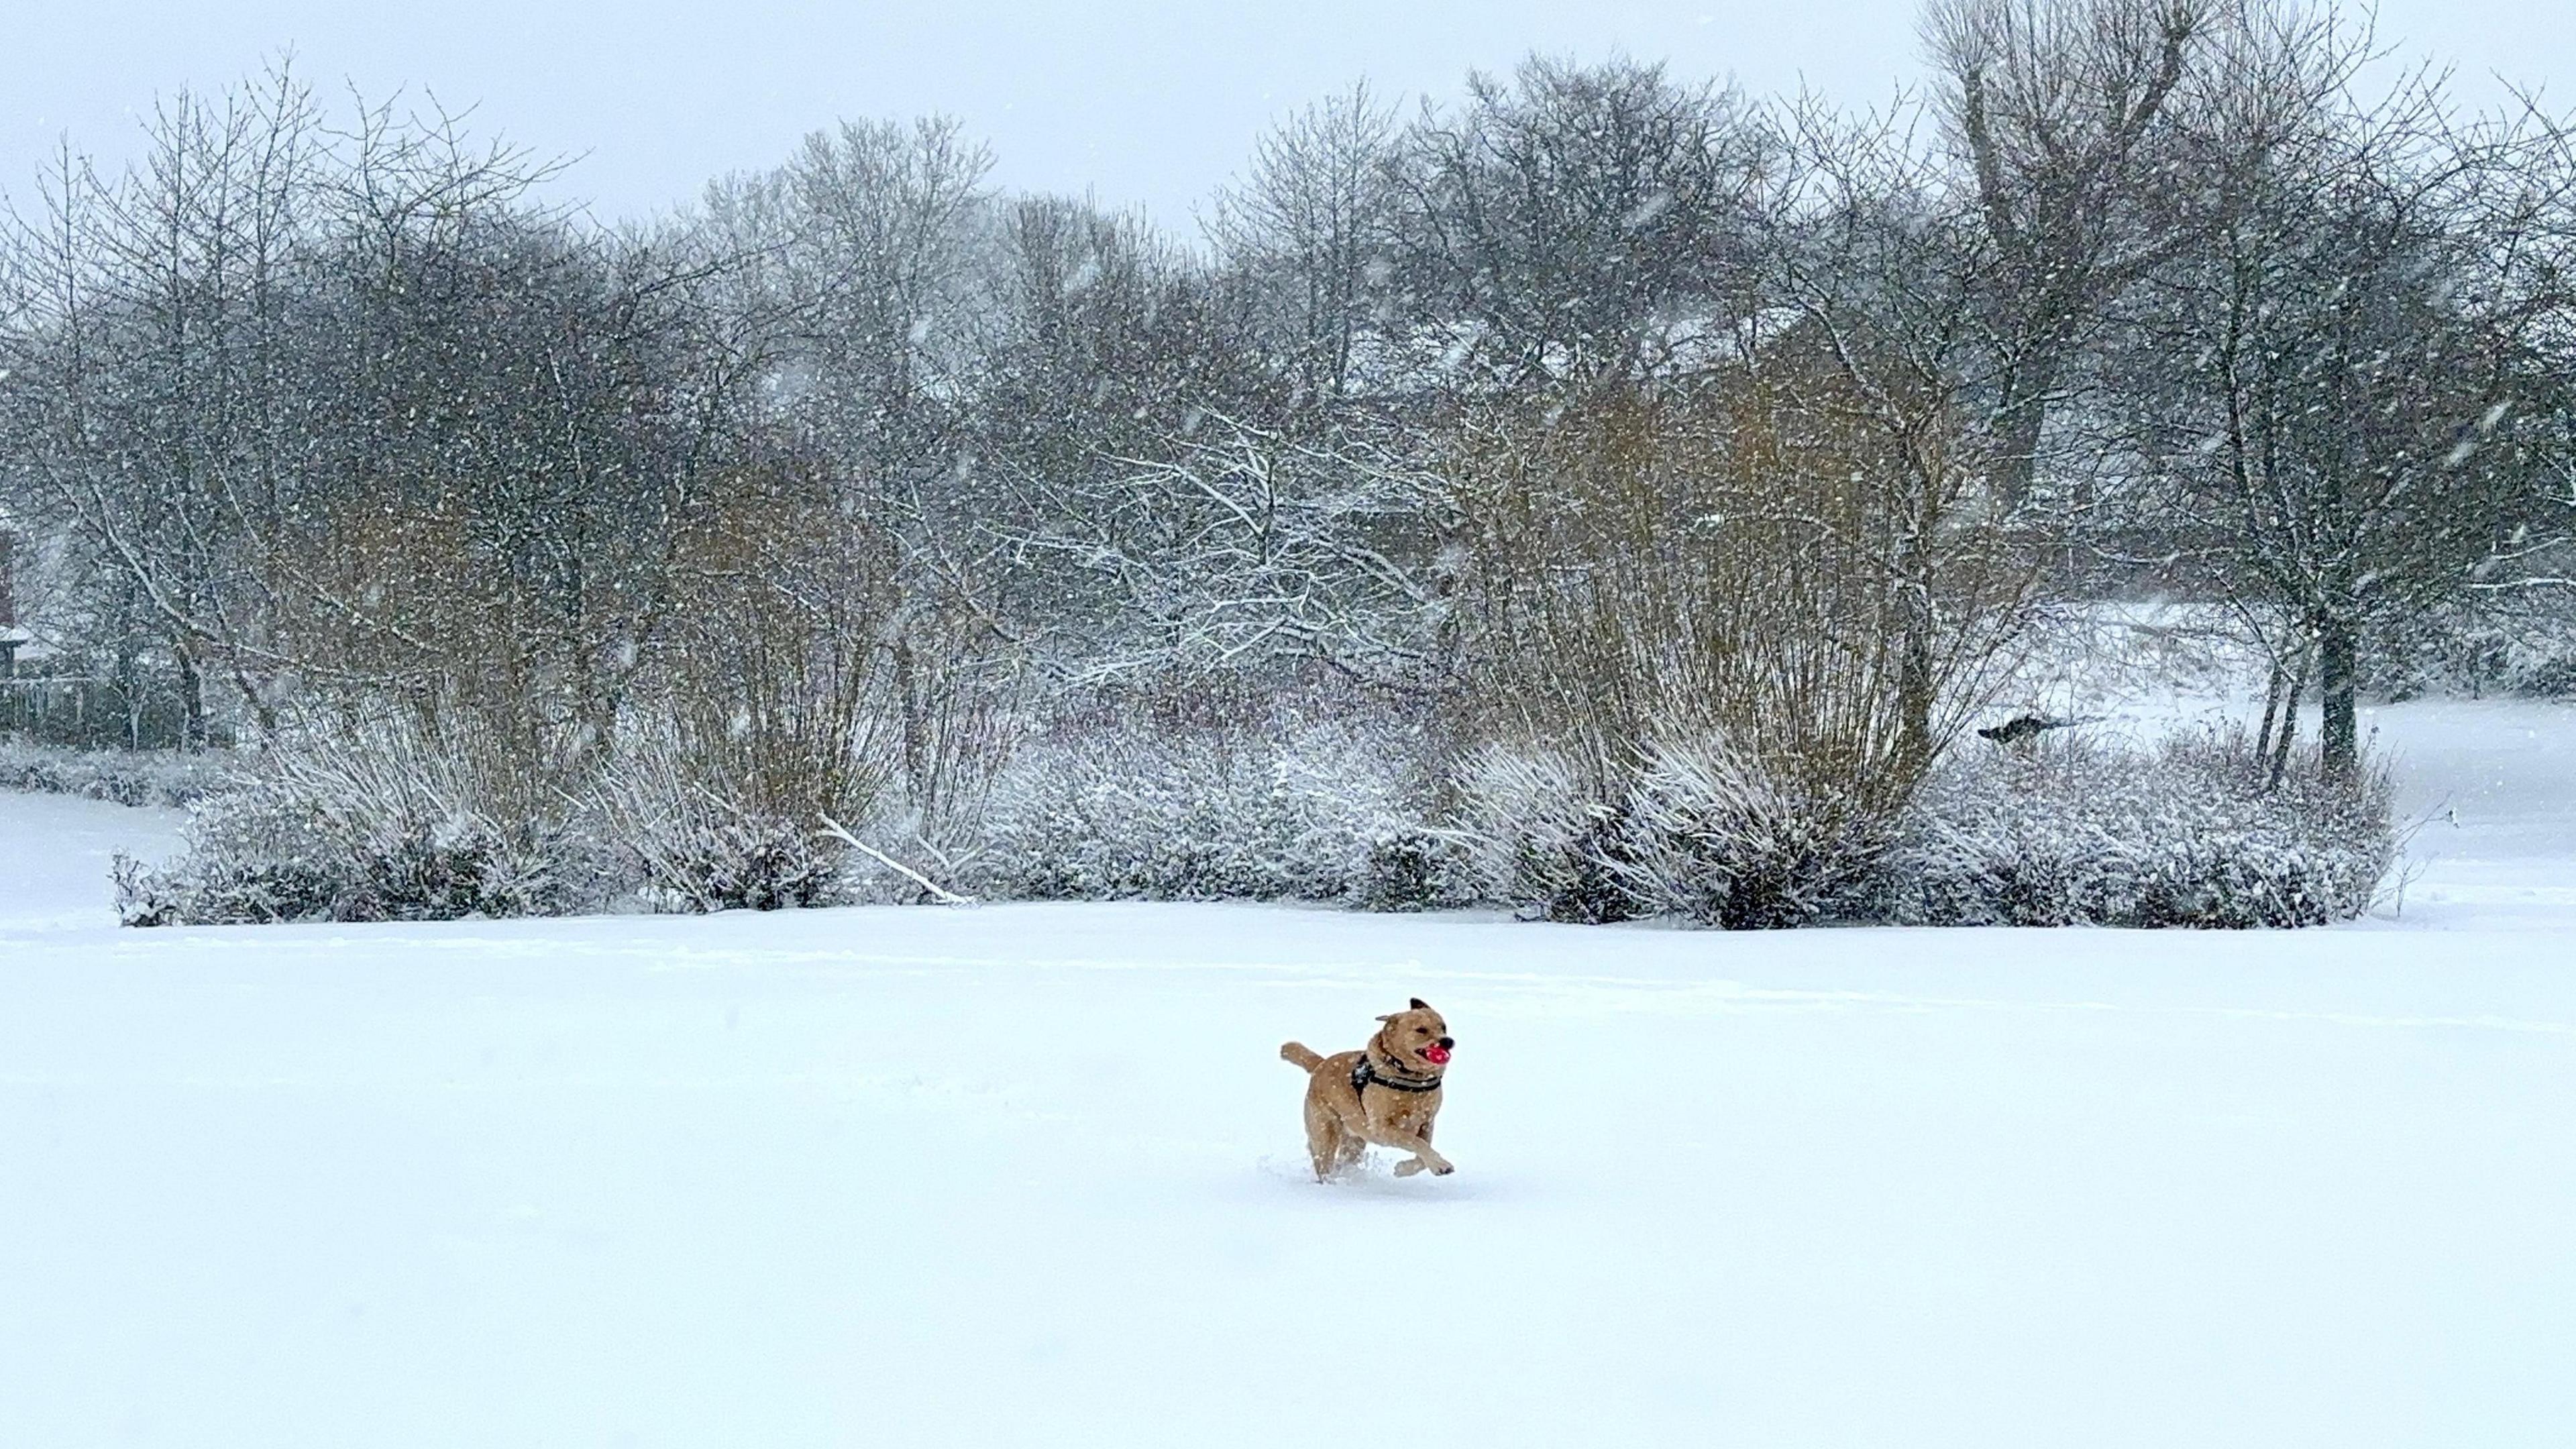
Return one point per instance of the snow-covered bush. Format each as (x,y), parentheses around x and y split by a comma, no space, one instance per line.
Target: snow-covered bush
(1315,812)
(123,777)
(692,847)
(1543,834)
(379,822)
(1710,835)
(2189,833)
(1696,830)
(1413,868)
(253,856)
(366,824)
(2539,659)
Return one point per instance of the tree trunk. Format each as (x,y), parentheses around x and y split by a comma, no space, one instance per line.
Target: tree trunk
(1914,690)
(2271,710)
(2018,424)
(2297,686)
(2337,682)
(1914,682)
(916,727)
(192,702)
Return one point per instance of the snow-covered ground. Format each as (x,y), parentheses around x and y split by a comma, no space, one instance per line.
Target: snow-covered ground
(2491,787)
(1031,1175)
(55,855)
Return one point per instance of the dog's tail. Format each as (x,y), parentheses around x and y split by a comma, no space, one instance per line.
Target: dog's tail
(1297,1054)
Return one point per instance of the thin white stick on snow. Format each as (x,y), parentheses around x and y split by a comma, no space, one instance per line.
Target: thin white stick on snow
(837,831)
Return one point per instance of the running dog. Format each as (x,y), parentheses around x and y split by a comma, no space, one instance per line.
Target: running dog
(1387,1092)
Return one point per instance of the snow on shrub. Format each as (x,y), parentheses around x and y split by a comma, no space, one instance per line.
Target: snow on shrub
(1211,813)
(2191,832)
(1412,868)
(1696,830)
(371,824)
(123,777)
(1710,835)
(689,847)
(1542,835)
(381,823)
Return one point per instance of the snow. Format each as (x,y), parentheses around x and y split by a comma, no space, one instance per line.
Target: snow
(2493,785)
(55,853)
(1033,1174)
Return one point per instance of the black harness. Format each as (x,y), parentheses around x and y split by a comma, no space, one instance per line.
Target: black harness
(1364,1076)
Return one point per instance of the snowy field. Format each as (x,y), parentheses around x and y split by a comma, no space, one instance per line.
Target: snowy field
(1032,1175)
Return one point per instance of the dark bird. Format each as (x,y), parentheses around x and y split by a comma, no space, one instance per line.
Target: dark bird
(2014,731)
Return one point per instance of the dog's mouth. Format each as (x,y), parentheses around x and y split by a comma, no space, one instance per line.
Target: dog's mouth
(1436,1054)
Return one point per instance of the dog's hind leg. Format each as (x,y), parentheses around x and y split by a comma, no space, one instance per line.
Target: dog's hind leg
(1327,1143)
(1347,1152)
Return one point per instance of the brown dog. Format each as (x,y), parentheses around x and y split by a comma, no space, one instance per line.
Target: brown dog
(1387,1092)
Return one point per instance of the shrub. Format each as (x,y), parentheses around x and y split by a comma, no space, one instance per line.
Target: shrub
(1711,836)
(2525,650)
(1412,868)
(252,857)
(371,824)
(124,777)
(382,822)
(690,848)
(1696,830)
(2188,833)
(1211,813)
(1543,835)
(1826,590)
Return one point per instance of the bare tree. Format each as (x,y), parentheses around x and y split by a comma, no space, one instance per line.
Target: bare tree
(1311,227)
(1105,342)
(1883,331)
(2095,137)
(865,253)
(1231,546)
(1577,224)
(153,403)
(2345,396)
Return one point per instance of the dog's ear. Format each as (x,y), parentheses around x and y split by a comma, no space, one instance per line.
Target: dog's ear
(1421,1005)
(1390,1016)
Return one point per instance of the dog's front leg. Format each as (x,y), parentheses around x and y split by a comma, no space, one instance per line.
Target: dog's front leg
(1423,1155)
(1412,1165)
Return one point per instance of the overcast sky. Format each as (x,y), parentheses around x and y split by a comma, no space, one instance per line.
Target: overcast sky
(1136,101)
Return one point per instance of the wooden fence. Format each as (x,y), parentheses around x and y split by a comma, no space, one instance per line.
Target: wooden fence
(90,714)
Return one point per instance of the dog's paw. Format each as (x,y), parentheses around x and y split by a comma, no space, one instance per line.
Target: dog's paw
(1444,1169)
(1408,1167)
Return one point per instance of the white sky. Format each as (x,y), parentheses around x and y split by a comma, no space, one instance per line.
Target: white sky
(1136,101)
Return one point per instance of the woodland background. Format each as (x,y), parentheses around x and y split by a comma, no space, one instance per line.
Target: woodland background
(1598,493)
